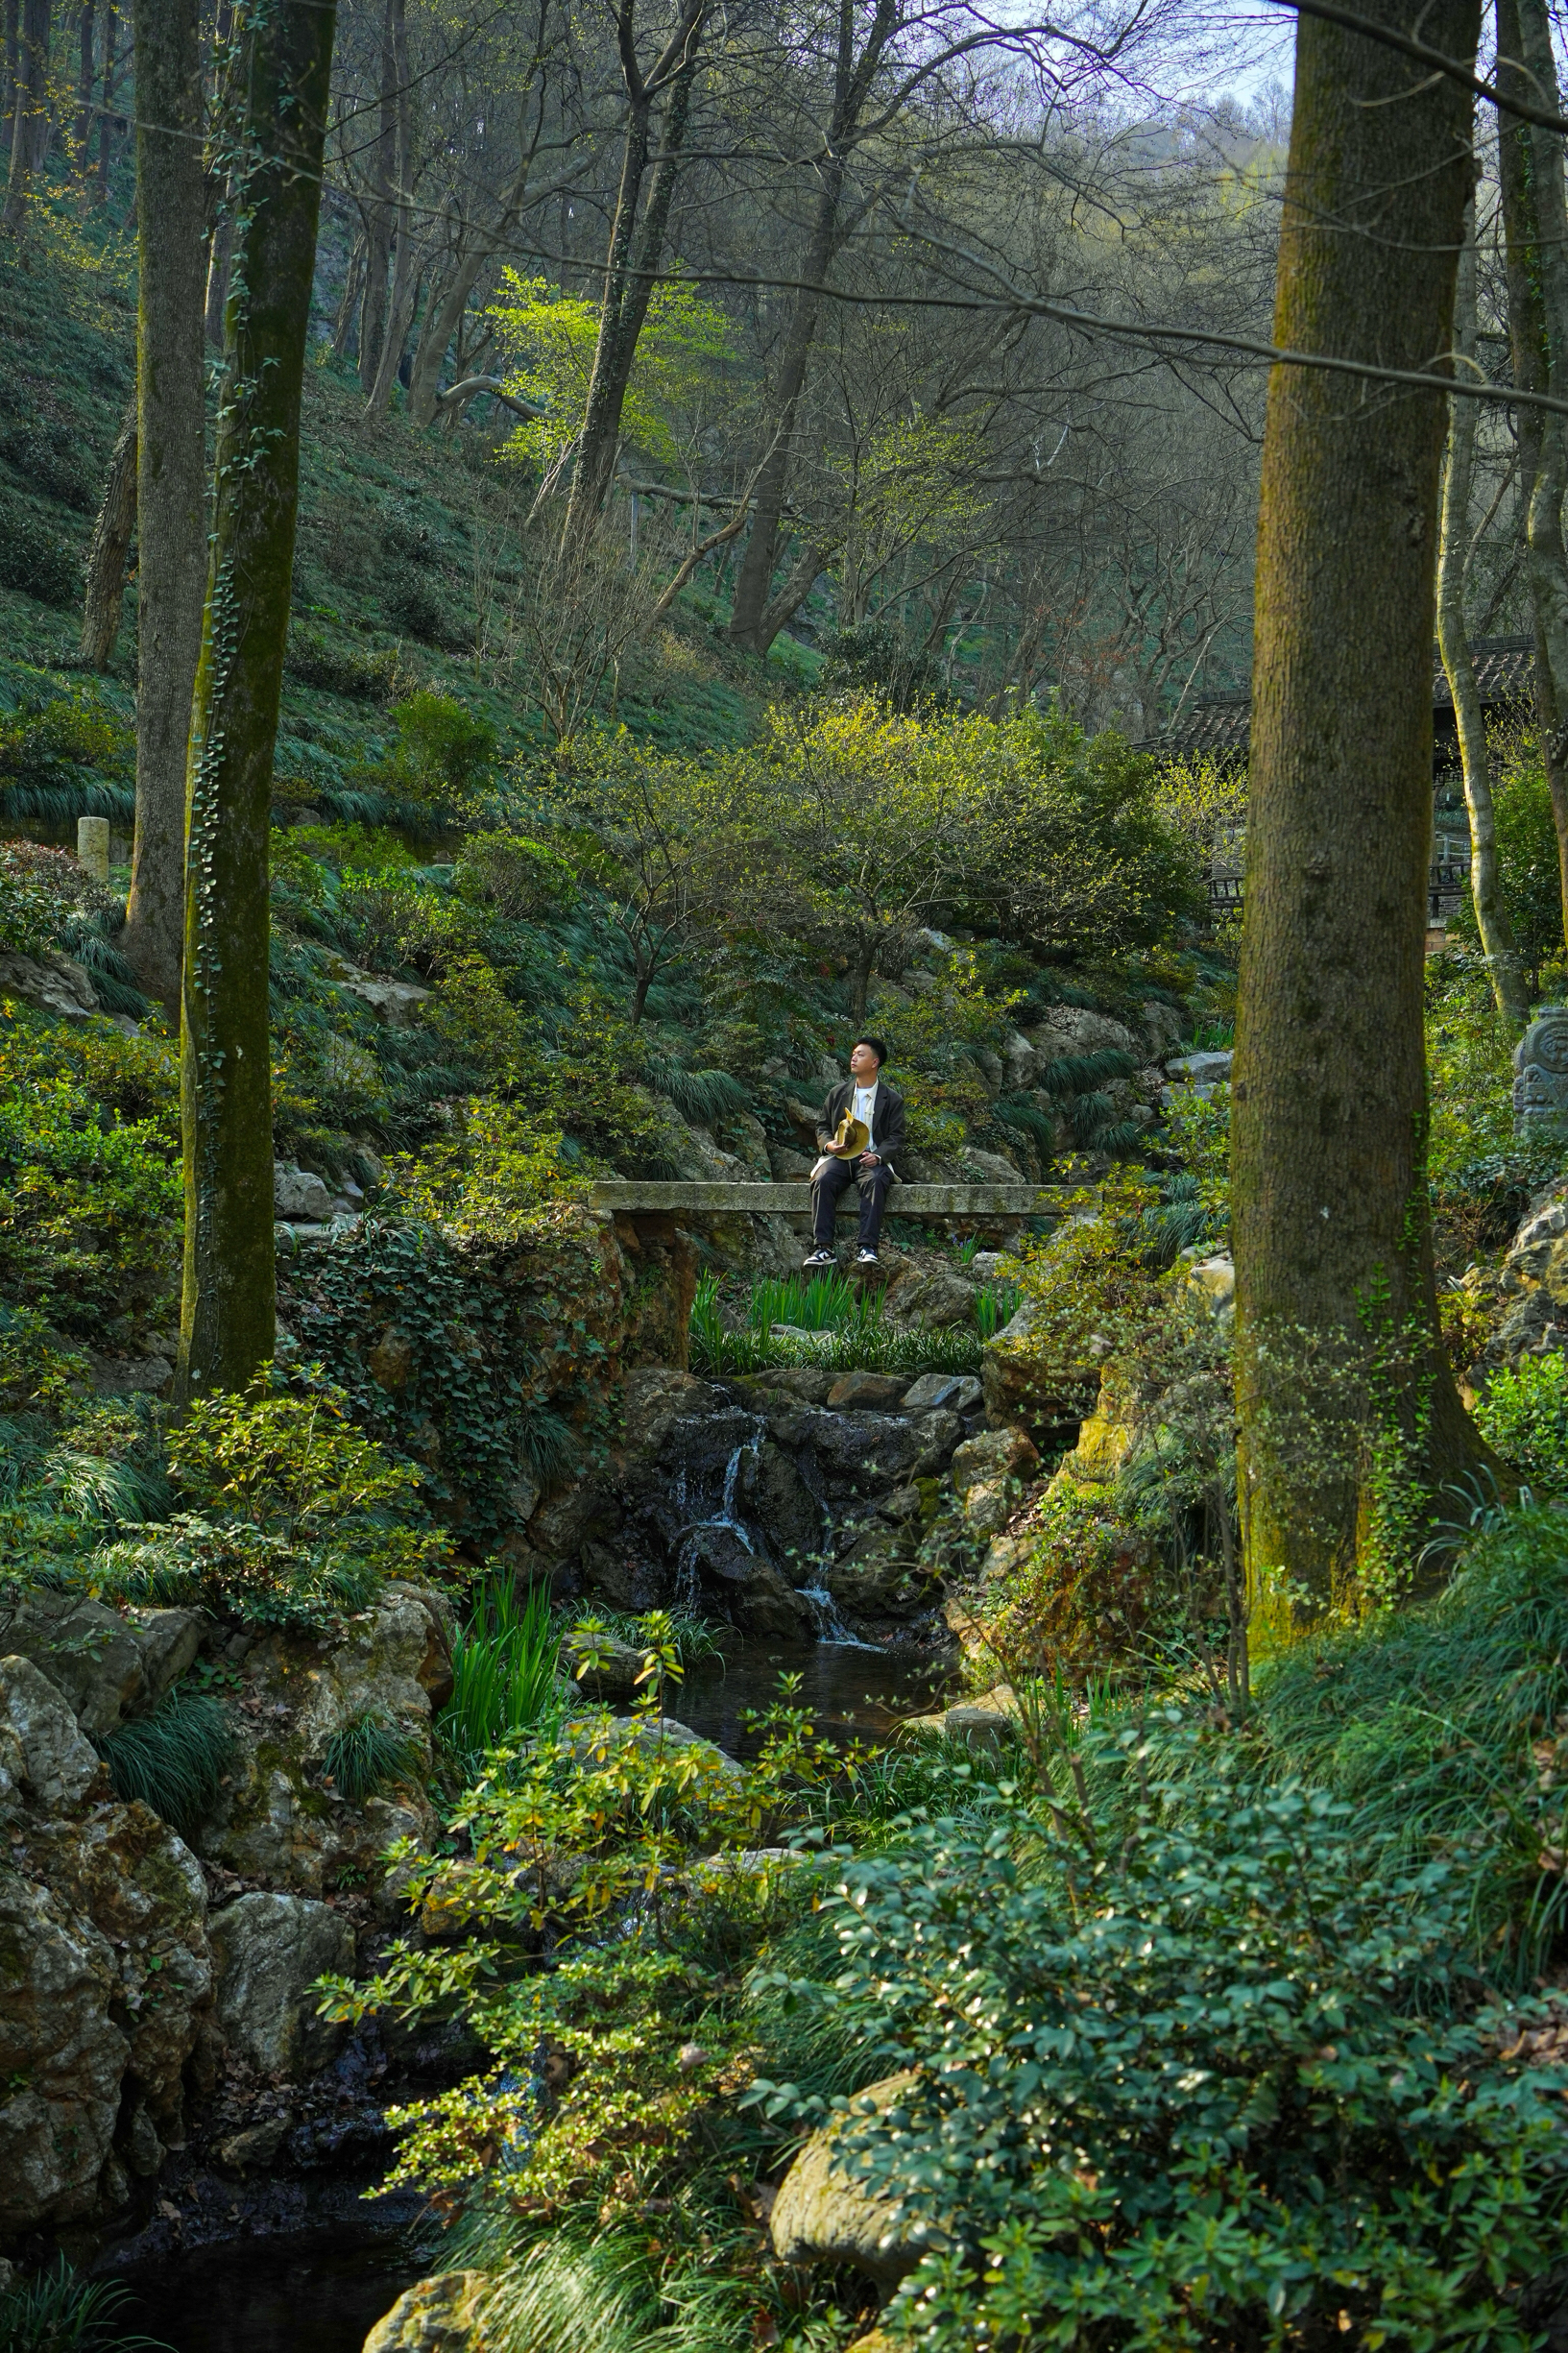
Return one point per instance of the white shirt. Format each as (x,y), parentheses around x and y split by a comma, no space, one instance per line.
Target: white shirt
(865,1097)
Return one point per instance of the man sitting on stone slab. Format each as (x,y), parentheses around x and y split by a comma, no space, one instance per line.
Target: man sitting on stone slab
(860,1133)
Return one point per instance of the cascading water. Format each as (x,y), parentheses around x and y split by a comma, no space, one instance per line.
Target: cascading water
(726,1521)
(826,1620)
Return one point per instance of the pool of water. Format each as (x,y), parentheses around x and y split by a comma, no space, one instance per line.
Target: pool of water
(851,1691)
(313,2292)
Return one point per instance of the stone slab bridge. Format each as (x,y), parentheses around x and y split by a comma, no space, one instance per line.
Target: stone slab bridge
(977,1203)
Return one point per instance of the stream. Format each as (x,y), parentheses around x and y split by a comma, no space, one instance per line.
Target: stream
(306,2291)
(852,1690)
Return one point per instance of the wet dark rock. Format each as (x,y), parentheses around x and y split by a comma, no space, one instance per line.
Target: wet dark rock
(878,1391)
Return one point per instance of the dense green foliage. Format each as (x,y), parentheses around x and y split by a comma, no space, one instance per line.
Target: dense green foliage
(1184,2070)
(292,1516)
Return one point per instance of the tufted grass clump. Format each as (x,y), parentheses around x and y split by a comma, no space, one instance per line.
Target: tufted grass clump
(367,1754)
(173,1760)
(1447,1727)
(825,1321)
(57,2312)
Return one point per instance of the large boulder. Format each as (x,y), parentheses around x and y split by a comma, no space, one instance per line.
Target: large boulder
(435,2316)
(931,1290)
(108,1664)
(45,1752)
(125,1870)
(989,1476)
(55,983)
(1532,1286)
(819,2215)
(277,1818)
(268,1949)
(62,2059)
(104,1969)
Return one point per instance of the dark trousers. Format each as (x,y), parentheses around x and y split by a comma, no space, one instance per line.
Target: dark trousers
(835,1180)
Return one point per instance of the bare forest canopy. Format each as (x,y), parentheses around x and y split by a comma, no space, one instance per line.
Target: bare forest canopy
(741,290)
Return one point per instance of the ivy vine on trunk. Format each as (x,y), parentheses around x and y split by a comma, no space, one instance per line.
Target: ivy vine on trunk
(228,1310)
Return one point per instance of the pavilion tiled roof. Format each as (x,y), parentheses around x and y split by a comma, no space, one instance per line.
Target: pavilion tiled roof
(1220,727)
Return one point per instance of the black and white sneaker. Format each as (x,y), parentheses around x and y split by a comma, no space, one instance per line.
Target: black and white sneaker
(867,1258)
(821,1258)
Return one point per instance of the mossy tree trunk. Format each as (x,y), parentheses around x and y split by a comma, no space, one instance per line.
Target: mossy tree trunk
(1529,172)
(171,473)
(227,1310)
(1350,1420)
(104,602)
(1492,923)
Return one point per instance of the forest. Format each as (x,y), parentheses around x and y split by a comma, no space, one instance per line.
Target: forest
(783,1177)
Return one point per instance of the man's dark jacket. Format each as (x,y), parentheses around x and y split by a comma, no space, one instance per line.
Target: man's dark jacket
(887,1118)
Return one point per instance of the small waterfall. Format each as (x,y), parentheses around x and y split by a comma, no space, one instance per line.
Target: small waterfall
(826,1621)
(688,1583)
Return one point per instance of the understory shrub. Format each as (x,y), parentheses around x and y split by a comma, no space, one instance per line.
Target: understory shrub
(58,2312)
(37,557)
(1184,2070)
(89,1200)
(1524,1414)
(296,1518)
(174,1759)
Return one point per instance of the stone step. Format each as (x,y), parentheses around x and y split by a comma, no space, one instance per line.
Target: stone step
(795,1200)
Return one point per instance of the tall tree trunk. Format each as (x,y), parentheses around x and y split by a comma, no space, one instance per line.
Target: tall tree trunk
(1349,1417)
(379,211)
(105,599)
(229,1306)
(170,473)
(354,280)
(82,130)
(854,79)
(1530,173)
(8,96)
(405,271)
(30,110)
(443,317)
(1470,724)
(105,123)
(218,184)
(635,255)
(754,581)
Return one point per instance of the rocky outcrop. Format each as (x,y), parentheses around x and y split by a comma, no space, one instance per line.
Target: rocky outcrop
(268,1949)
(277,1820)
(107,1663)
(1025,1383)
(104,1970)
(989,1474)
(820,2216)
(435,2316)
(1531,1289)
(55,983)
(763,1501)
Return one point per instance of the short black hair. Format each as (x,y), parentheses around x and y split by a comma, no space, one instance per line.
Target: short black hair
(878,1045)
